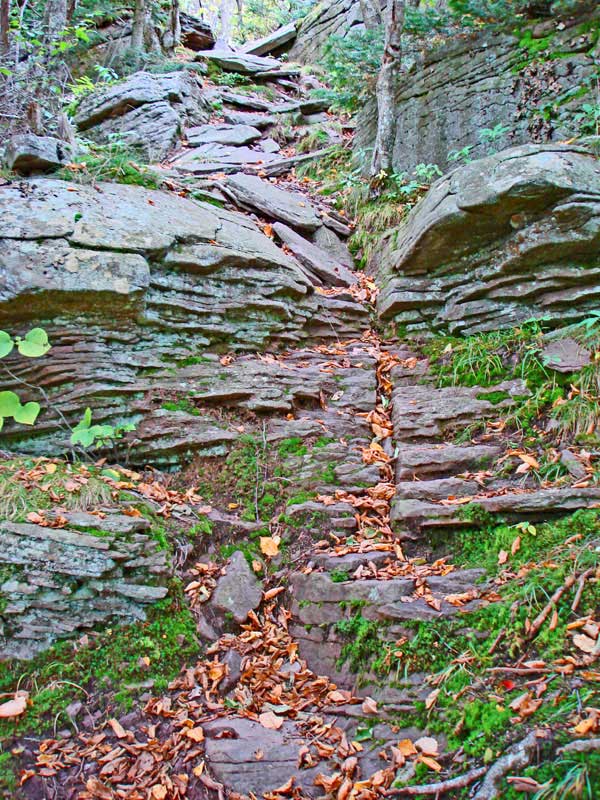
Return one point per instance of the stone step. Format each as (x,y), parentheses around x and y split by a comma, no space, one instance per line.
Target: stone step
(416,462)
(233,135)
(421,412)
(536,506)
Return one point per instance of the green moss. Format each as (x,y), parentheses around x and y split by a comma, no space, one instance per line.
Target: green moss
(339,575)
(292,447)
(184,404)
(110,663)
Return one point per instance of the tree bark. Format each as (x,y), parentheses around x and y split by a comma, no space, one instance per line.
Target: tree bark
(227,11)
(55,18)
(386,87)
(172,36)
(71,9)
(139,24)
(4,26)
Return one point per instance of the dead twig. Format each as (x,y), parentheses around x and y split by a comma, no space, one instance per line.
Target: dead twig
(580,587)
(549,607)
(581,746)
(520,755)
(519,670)
(438,788)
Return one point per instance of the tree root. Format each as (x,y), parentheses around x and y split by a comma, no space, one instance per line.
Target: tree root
(520,755)
(550,606)
(581,746)
(439,788)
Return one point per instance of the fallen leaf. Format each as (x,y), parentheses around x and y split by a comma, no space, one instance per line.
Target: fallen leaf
(407,748)
(15,707)
(118,729)
(270,720)
(431,763)
(195,734)
(428,745)
(158,793)
(583,642)
(502,557)
(369,706)
(268,546)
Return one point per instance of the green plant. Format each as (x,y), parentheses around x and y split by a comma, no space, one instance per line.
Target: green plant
(110,162)
(88,435)
(34,344)
(351,63)
(588,119)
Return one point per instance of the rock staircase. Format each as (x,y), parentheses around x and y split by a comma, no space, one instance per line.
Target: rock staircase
(376,493)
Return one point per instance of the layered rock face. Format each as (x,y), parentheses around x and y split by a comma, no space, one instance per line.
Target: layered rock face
(131,282)
(145,111)
(329,18)
(476,81)
(499,241)
(64,581)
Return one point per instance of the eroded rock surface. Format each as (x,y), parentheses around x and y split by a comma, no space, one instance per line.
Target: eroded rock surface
(146,111)
(499,241)
(59,582)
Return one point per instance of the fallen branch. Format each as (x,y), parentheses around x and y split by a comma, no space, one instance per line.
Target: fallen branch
(520,670)
(581,746)
(580,587)
(520,755)
(438,788)
(551,604)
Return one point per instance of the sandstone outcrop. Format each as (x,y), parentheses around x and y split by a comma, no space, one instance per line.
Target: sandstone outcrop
(499,241)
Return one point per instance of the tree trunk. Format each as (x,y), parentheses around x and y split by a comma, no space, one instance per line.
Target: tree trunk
(227,11)
(4,26)
(71,9)
(386,87)
(55,19)
(371,13)
(175,23)
(139,24)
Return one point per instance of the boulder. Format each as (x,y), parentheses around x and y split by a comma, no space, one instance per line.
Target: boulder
(59,582)
(499,241)
(27,153)
(274,43)
(254,119)
(565,355)
(195,34)
(317,262)
(254,193)
(237,593)
(327,18)
(222,134)
(145,111)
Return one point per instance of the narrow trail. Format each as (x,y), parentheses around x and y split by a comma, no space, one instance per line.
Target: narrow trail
(277,706)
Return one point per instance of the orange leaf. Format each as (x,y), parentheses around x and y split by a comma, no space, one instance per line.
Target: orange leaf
(15,707)
(270,720)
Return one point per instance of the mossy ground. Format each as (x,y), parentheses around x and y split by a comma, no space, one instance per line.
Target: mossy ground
(472,707)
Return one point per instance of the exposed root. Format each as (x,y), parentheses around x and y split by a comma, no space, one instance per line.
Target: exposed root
(581,746)
(439,788)
(520,755)
(549,607)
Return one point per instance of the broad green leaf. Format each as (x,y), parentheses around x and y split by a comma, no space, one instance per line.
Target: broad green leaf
(83,436)
(28,413)
(35,343)
(6,344)
(9,404)
(111,473)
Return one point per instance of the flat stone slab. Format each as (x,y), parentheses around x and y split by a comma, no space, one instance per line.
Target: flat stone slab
(315,260)
(208,158)
(565,355)
(257,194)
(238,591)
(273,42)
(244,63)
(254,119)
(222,134)
(444,460)
(233,750)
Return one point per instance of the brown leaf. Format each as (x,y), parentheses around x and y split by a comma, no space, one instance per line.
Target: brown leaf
(431,763)
(502,557)
(428,745)
(369,706)
(15,707)
(118,729)
(583,642)
(270,720)
(407,748)
(195,734)
(268,546)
